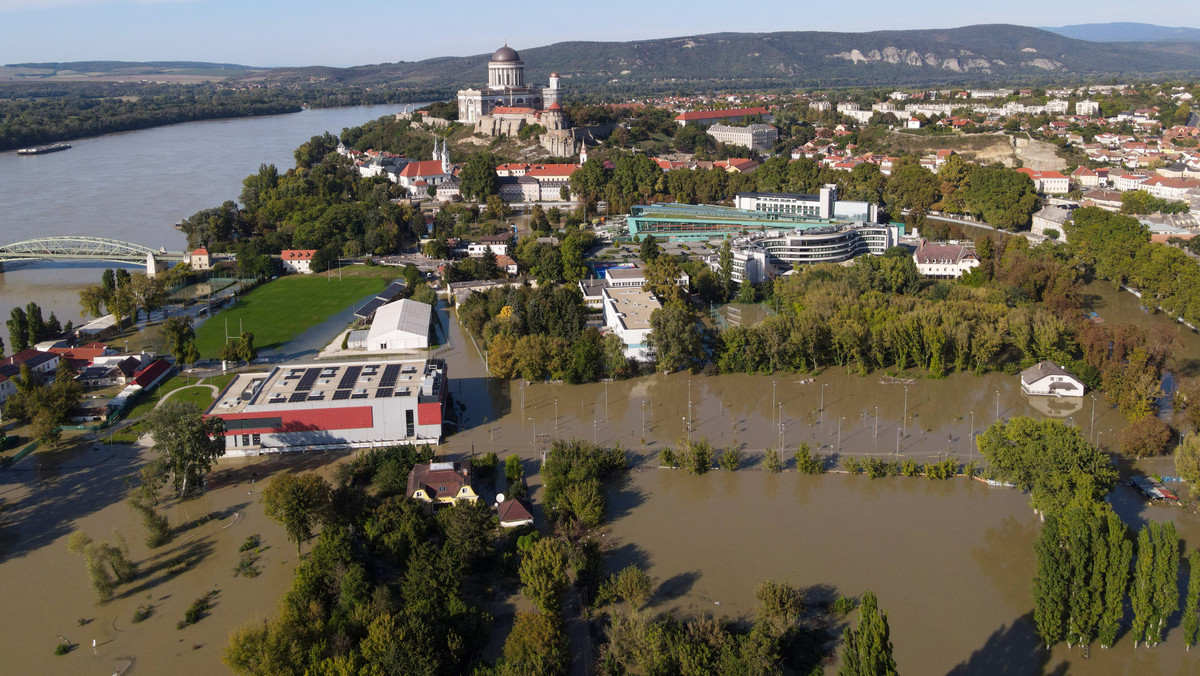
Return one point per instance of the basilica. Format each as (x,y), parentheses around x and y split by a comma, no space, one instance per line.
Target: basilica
(508,91)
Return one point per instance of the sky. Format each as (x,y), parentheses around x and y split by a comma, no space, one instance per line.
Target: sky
(359,32)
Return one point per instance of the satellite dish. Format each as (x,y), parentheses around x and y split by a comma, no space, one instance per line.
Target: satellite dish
(499,498)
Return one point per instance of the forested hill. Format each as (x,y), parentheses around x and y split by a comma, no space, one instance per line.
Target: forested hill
(972,54)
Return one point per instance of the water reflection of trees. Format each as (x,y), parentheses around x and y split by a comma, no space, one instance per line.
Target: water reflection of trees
(1006,557)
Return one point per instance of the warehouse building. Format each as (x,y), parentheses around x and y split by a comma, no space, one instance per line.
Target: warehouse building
(361,404)
(402,325)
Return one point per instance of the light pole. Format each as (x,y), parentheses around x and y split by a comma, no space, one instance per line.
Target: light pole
(876,430)
(839,446)
(534,442)
(556,417)
(643,422)
(971,439)
(823,401)
(781,428)
(522,395)
(997,404)
(904,420)
(897,443)
(593,432)
(605,401)
(772,399)
(1092,424)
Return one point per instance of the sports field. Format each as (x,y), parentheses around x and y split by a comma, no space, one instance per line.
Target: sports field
(280,310)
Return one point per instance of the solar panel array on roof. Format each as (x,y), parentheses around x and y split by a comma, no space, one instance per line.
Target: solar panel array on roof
(392,291)
(349,377)
(306,381)
(383,393)
(390,374)
(297,397)
(339,395)
(371,306)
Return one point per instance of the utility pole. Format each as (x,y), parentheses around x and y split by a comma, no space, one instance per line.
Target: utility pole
(643,423)
(534,442)
(971,439)
(876,429)
(556,417)
(772,401)
(997,404)
(904,420)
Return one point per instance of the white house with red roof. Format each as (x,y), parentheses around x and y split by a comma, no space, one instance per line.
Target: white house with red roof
(200,259)
(1049,182)
(416,177)
(298,260)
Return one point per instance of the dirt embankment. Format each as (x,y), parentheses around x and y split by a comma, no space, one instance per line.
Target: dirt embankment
(981,148)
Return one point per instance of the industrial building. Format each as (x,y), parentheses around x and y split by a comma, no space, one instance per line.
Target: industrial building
(359,404)
(627,313)
(402,325)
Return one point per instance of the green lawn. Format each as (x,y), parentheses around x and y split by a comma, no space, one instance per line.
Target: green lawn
(280,310)
(176,382)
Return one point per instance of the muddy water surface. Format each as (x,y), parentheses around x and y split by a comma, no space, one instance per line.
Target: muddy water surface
(952,562)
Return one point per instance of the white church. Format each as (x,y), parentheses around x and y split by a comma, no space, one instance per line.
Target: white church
(507,90)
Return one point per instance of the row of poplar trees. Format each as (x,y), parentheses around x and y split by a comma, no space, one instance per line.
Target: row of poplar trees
(1087,566)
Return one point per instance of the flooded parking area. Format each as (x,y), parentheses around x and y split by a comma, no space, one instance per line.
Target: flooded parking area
(951,561)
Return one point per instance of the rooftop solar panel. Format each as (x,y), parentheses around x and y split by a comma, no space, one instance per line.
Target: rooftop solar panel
(349,377)
(339,395)
(370,307)
(383,393)
(389,375)
(306,382)
(297,397)
(392,291)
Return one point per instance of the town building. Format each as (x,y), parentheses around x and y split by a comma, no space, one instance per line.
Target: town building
(418,177)
(627,313)
(1051,218)
(513,513)
(353,404)
(634,277)
(704,118)
(945,260)
(1048,182)
(754,136)
(824,205)
(1087,107)
(297,260)
(748,265)
(442,483)
(498,244)
(1049,379)
(200,260)
(402,325)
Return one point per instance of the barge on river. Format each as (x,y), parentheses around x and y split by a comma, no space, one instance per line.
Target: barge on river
(42,150)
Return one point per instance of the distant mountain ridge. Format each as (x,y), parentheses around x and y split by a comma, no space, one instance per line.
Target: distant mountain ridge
(972,54)
(1127,32)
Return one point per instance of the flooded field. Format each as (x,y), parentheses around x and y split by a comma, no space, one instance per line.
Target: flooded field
(952,562)
(45,588)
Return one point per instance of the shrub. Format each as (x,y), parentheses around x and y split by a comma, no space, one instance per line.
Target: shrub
(666,457)
(843,605)
(731,459)
(196,611)
(946,469)
(852,465)
(910,468)
(513,471)
(486,463)
(771,461)
(696,456)
(877,468)
(808,462)
(251,542)
(62,648)
(142,613)
(972,469)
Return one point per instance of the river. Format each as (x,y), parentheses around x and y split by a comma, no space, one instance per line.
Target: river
(135,186)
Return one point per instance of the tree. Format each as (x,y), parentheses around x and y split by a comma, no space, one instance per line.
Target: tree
(18,330)
(245,348)
(631,584)
(867,650)
(1147,436)
(649,249)
(662,279)
(1191,606)
(298,503)
(468,527)
(1187,459)
(1004,198)
(178,333)
(676,337)
(189,441)
(536,646)
(478,177)
(772,462)
(1155,591)
(512,469)
(780,607)
(496,207)
(35,325)
(543,574)
(725,259)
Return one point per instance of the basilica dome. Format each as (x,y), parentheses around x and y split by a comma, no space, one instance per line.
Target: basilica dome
(506,53)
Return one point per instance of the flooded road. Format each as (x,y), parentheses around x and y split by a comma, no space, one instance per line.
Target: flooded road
(951,561)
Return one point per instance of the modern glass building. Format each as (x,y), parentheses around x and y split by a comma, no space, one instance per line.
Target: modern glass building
(688,222)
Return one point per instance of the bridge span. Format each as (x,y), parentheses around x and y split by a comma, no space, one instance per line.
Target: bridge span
(87,248)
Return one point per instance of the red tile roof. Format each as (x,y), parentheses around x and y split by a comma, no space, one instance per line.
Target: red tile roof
(297,254)
(422,168)
(512,110)
(152,373)
(731,113)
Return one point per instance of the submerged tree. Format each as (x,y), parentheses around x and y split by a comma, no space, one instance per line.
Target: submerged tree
(1155,590)
(867,651)
(189,442)
(1191,607)
(298,503)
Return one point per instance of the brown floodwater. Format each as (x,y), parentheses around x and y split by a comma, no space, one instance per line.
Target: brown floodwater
(951,561)
(45,588)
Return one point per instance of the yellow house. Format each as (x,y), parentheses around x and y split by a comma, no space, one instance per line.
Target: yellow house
(442,483)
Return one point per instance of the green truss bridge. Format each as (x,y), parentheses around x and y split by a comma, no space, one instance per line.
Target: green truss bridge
(85,248)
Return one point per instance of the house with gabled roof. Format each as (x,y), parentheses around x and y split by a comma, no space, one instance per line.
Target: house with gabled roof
(442,483)
(1048,379)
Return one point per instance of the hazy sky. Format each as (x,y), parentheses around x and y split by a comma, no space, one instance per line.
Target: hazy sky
(355,32)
